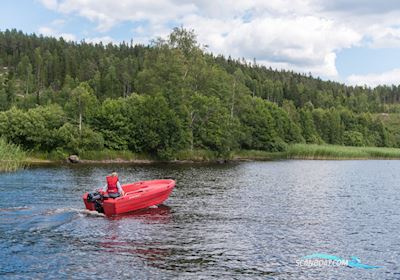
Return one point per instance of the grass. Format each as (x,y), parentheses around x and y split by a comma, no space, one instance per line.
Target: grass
(256,155)
(103,155)
(12,157)
(296,151)
(308,151)
(196,155)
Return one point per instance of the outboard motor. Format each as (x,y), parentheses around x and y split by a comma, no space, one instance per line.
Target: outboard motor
(98,206)
(96,198)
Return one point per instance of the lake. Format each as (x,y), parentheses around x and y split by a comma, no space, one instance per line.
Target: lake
(237,220)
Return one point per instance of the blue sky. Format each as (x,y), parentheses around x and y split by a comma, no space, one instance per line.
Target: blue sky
(357,43)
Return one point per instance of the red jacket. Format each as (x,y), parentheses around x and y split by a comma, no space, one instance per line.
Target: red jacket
(112,184)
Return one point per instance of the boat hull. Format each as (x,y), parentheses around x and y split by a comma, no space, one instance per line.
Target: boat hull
(137,196)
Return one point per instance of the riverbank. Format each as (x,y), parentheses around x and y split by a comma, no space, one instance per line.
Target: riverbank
(296,151)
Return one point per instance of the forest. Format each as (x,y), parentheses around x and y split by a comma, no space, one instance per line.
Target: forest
(174,95)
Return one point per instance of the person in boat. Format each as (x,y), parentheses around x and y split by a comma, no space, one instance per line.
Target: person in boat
(113,187)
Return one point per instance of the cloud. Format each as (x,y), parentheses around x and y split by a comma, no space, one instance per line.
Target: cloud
(302,35)
(299,43)
(58,22)
(377,21)
(384,37)
(108,13)
(50,4)
(48,31)
(391,77)
(105,40)
(359,7)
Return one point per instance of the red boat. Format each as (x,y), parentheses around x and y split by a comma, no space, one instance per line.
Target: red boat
(138,195)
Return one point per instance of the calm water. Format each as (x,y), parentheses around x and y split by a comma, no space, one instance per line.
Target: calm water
(244,220)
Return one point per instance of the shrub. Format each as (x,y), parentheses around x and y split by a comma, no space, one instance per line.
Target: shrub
(353,138)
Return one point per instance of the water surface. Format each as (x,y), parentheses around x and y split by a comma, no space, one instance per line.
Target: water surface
(242,220)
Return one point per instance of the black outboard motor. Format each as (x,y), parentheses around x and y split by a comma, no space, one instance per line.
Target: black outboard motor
(96,198)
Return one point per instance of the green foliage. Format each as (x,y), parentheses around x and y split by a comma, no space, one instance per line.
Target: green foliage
(308,127)
(74,141)
(34,129)
(82,102)
(108,155)
(309,151)
(211,125)
(171,96)
(287,129)
(353,138)
(155,127)
(196,155)
(12,157)
(111,120)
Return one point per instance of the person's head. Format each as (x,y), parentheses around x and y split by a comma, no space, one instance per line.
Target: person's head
(114,174)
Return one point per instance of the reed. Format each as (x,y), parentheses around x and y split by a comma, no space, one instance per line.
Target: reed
(105,155)
(308,151)
(196,155)
(257,155)
(12,157)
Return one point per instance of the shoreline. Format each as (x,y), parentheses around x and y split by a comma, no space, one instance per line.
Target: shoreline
(294,152)
(35,161)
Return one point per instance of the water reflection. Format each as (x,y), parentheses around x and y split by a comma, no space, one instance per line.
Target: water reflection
(151,252)
(154,214)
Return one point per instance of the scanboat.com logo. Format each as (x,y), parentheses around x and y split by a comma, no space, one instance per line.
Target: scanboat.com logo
(330,260)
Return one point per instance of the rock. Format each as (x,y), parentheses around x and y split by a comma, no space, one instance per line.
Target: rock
(73,159)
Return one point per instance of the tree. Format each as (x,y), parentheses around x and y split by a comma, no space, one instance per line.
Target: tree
(154,127)
(353,138)
(82,102)
(39,73)
(184,40)
(24,71)
(309,131)
(10,90)
(211,125)
(111,119)
(86,140)
(259,127)
(111,81)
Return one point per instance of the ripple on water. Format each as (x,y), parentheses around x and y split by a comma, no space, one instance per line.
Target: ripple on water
(246,220)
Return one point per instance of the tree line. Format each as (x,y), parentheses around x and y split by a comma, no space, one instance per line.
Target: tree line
(173,95)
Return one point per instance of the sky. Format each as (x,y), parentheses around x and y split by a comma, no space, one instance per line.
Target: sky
(353,42)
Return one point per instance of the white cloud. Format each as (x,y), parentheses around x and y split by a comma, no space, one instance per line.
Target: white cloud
(58,22)
(358,7)
(377,21)
(391,77)
(384,37)
(303,35)
(105,40)
(108,13)
(48,31)
(50,4)
(298,43)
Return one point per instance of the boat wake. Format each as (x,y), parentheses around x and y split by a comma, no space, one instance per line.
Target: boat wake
(16,208)
(30,220)
(80,212)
